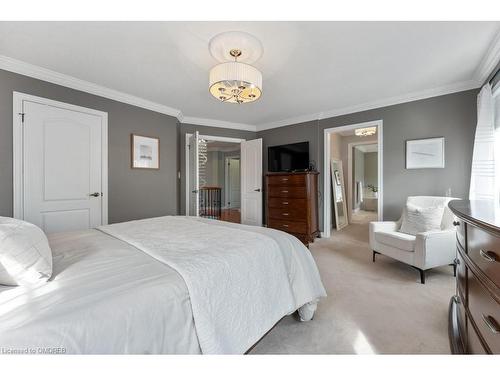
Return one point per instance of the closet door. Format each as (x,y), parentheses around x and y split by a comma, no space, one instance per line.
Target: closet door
(251,182)
(62,170)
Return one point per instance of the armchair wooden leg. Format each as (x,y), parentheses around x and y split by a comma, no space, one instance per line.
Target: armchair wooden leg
(422,275)
(375,253)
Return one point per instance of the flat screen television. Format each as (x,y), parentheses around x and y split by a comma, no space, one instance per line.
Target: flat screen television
(288,158)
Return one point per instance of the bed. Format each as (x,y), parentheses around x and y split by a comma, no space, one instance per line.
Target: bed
(173,284)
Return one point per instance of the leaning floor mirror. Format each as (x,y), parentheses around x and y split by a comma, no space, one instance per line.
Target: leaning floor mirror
(339,202)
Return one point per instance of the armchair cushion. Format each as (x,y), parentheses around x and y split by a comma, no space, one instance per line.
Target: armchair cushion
(421,219)
(397,240)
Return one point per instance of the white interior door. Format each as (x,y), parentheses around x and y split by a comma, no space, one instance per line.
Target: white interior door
(251,182)
(193,178)
(62,168)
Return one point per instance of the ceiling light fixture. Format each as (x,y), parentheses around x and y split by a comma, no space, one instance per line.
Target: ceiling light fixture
(235,81)
(364,132)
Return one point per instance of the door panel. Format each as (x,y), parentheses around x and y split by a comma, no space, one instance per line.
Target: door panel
(251,182)
(62,167)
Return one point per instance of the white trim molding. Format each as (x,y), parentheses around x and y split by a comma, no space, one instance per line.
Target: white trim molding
(218,123)
(489,61)
(327,223)
(33,71)
(18,153)
(405,98)
(37,72)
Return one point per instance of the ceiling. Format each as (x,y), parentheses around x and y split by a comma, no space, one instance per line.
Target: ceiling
(310,69)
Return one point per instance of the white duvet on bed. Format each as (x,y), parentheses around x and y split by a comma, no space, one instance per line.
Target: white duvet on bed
(110,296)
(105,297)
(241,279)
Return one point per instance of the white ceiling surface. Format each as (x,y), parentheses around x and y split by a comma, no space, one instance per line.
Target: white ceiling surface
(310,69)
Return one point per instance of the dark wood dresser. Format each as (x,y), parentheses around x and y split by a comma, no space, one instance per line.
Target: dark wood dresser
(292,204)
(474,316)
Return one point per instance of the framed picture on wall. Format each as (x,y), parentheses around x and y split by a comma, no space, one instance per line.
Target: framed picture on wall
(425,153)
(145,152)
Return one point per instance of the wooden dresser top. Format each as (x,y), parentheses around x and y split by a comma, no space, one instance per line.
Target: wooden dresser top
(483,214)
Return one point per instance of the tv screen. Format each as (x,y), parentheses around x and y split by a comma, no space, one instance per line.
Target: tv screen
(288,158)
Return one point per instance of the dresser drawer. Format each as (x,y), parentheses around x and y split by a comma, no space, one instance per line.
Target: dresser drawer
(287,180)
(474,345)
(486,313)
(288,213)
(484,251)
(287,226)
(297,203)
(287,191)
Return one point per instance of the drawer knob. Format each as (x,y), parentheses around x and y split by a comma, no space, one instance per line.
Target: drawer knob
(456,223)
(285,225)
(285,214)
(491,323)
(284,191)
(285,202)
(488,255)
(284,179)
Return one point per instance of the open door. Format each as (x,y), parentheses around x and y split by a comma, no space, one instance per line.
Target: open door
(192,189)
(251,182)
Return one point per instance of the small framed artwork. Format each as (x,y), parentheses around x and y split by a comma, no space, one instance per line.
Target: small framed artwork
(145,152)
(425,153)
(337,177)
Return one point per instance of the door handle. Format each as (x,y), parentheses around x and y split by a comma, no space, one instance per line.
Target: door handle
(194,191)
(94,194)
(257,190)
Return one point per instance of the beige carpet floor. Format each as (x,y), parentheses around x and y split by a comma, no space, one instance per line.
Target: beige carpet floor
(376,307)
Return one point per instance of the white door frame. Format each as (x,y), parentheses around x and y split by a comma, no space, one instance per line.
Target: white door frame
(17,153)
(350,147)
(208,138)
(327,175)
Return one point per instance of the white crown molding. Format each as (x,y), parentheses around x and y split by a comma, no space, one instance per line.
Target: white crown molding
(33,71)
(218,123)
(30,70)
(489,61)
(410,97)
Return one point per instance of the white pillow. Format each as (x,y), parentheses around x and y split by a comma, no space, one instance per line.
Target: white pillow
(421,219)
(25,255)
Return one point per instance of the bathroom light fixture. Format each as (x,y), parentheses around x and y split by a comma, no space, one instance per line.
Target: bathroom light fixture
(364,132)
(235,81)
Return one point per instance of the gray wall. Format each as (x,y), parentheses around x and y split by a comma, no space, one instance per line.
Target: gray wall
(203,130)
(452,116)
(358,174)
(133,194)
(371,169)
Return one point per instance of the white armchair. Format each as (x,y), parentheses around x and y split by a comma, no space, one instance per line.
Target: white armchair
(425,250)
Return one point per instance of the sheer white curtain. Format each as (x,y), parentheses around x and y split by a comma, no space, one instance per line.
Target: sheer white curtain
(485,173)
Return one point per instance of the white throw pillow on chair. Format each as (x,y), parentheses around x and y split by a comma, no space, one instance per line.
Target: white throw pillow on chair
(421,219)
(25,254)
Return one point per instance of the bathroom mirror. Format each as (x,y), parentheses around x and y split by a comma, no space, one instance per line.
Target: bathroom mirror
(339,202)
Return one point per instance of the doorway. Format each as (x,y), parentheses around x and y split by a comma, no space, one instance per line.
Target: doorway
(224,178)
(340,144)
(60,164)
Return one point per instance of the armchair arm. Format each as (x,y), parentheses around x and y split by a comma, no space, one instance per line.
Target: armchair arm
(435,248)
(381,226)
